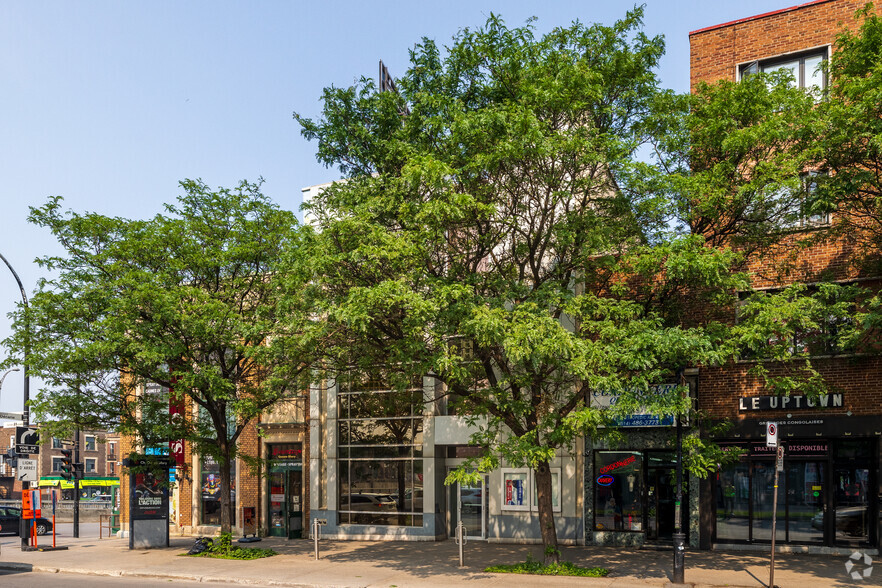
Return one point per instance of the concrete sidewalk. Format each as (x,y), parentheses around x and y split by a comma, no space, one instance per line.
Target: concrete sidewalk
(401,564)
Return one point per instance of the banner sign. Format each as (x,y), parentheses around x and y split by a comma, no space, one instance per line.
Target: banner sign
(602,399)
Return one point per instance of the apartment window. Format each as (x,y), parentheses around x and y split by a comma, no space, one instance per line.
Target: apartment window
(823,339)
(56,464)
(380,448)
(111,448)
(91,465)
(57,443)
(804,67)
(90,443)
(111,468)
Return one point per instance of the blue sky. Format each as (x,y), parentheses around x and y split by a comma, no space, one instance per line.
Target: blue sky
(111,104)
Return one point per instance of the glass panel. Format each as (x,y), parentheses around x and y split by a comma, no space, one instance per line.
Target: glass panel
(211,490)
(618,491)
(514,489)
(763,490)
(277,504)
(805,501)
(295,515)
(814,77)
(852,504)
(471,501)
(555,491)
(788,66)
(387,486)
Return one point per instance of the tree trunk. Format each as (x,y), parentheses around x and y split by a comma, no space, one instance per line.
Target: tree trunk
(546,513)
(225,478)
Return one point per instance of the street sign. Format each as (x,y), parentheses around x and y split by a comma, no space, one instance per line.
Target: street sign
(26,440)
(27,470)
(780,463)
(771,434)
(11,415)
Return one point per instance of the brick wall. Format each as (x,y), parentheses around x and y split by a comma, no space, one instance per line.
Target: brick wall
(716,51)
(857,378)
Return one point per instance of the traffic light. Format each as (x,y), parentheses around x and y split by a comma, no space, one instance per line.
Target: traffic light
(12,457)
(66,468)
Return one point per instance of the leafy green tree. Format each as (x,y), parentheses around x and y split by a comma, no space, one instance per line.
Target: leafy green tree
(188,301)
(498,230)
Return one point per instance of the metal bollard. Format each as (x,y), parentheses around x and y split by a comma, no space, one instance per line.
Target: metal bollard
(460,539)
(316,531)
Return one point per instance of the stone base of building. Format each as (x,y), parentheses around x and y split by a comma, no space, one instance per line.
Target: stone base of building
(812,549)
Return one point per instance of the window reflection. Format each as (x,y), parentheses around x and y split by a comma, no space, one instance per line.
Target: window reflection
(380,453)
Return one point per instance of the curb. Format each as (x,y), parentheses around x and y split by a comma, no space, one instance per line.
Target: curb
(23,567)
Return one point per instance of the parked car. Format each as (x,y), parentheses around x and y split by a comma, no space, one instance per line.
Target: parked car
(10,519)
(371,502)
(850,520)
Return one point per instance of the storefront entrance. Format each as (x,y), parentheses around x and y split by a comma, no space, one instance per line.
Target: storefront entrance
(661,495)
(286,491)
(824,495)
(471,507)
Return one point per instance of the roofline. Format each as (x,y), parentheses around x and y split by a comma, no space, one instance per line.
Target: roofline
(758,16)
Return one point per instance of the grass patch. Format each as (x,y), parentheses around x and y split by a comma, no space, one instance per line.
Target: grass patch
(532,566)
(223,548)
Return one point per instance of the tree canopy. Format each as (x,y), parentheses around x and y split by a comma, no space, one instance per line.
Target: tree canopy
(498,230)
(187,301)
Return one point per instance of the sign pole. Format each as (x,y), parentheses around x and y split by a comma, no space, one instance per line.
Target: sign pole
(772,440)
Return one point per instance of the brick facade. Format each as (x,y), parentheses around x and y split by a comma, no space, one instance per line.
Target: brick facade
(730,394)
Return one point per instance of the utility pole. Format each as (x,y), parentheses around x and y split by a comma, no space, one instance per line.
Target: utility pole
(679,572)
(26,413)
(76,482)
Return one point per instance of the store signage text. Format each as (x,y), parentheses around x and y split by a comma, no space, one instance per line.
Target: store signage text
(617,464)
(605,480)
(789,402)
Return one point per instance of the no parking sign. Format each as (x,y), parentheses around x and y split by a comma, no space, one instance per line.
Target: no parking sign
(771,434)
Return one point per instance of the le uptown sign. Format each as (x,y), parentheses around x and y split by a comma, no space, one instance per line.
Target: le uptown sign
(792,402)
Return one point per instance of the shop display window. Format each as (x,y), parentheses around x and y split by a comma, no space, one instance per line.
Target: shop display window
(380,443)
(618,496)
(211,489)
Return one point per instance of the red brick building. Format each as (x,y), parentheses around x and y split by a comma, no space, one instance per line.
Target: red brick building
(276,493)
(830,487)
(99,454)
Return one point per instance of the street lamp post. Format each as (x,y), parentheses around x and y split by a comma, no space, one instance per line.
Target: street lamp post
(26,413)
(9,371)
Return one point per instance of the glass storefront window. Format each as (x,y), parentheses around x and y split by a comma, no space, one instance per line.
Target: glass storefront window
(380,442)
(211,486)
(733,503)
(852,504)
(618,497)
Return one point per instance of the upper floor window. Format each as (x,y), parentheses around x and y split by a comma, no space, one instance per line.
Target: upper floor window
(90,443)
(798,209)
(91,465)
(57,443)
(804,67)
(111,448)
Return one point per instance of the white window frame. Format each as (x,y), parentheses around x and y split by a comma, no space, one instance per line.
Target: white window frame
(86,443)
(555,485)
(94,462)
(530,494)
(510,473)
(54,462)
(800,56)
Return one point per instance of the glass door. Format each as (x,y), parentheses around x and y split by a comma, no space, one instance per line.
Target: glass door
(806,501)
(661,497)
(763,491)
(277,504)
(471,507)
(852,504)
(294,491)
